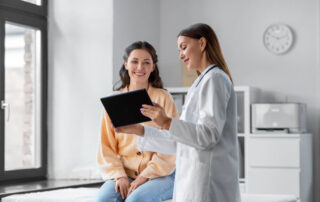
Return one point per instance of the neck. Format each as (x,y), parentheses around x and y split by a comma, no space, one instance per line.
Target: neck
(204,63)
(136,86)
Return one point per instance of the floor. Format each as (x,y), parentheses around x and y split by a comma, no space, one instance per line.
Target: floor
(44,185)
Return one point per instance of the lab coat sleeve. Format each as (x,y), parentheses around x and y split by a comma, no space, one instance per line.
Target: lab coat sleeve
(206,132)
(155,140)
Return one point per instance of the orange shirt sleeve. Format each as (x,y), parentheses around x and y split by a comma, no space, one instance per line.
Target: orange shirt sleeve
(108,159)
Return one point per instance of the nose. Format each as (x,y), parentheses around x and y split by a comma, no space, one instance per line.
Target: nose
(181,55)
(140,66)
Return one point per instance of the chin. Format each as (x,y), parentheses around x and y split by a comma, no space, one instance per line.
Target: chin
(190,68)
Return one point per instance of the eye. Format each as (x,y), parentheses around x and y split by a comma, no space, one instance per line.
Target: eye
(146,63)
(134,62)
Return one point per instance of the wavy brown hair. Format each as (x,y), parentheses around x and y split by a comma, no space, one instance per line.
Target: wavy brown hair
(213,49)
(154,78)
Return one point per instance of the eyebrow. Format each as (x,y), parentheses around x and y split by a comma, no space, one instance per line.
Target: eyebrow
(143,59)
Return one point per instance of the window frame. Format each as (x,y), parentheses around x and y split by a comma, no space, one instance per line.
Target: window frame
(28,14)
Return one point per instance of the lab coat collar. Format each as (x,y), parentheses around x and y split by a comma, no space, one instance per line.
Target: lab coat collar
(210,67)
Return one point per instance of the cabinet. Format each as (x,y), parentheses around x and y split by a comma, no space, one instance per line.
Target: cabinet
(246,95)
(280,164)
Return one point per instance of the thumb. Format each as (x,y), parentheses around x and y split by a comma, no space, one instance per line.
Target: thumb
(156,104)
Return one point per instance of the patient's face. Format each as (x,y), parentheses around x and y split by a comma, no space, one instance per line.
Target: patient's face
(139,66)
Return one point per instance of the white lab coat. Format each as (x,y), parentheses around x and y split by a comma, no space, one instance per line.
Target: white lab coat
(204,140)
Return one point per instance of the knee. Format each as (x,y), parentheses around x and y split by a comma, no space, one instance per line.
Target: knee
(107,194)
(140,196)
(103,196)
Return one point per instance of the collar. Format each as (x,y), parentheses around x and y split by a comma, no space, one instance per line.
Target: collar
(209,68)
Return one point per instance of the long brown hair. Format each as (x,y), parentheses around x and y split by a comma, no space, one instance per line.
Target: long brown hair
(213,49)
(154,78)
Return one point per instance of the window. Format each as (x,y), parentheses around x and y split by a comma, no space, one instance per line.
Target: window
(23,89)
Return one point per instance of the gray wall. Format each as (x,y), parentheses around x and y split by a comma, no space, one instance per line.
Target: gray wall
(240,25)
(134,20)
(80,61)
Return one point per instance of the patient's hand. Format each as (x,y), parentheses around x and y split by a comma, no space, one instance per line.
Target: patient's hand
(136,183)
(123,184)
(132,129)
(157,114)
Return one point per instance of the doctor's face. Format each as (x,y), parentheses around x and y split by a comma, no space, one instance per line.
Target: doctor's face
(190,52)
(139,66)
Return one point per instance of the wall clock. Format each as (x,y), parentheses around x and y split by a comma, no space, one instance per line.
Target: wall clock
(278,38)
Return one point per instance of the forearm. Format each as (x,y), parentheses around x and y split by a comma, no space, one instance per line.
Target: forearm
(156,140)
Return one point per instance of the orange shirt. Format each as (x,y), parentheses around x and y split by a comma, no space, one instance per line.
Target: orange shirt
(118,155)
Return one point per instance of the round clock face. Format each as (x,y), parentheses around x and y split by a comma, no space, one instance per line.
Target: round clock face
(278,38)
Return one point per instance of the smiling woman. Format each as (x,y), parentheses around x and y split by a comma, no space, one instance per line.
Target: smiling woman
(132,175)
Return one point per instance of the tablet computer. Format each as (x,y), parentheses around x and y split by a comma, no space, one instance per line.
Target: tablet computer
(124,108)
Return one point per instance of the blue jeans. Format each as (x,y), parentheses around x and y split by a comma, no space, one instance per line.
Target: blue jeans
(155,190)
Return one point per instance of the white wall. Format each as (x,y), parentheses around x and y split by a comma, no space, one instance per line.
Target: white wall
(134,20)
(80,72)
(239,25)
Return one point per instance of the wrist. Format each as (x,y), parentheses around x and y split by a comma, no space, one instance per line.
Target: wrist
(166,124)
(119,178)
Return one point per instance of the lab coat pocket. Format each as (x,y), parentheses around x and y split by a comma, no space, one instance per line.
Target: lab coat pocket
(192,180)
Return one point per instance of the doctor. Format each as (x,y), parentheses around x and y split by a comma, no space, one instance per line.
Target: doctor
(204,139)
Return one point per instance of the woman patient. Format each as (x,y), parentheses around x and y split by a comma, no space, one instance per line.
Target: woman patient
(131,175)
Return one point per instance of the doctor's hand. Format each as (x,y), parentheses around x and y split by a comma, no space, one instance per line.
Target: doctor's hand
(157,114)
(136,183)
(131,129)
(122,185)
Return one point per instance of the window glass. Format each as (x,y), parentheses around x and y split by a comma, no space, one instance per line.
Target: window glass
(22,102)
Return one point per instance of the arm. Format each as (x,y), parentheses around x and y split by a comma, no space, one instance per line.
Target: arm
(161,163)
(215,94)
(110,165)
(157,141)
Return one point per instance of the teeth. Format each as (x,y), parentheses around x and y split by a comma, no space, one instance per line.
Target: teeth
(140,74)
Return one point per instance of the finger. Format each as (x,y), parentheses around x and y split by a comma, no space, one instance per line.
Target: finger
(147,114)
(148,107)
(122,192)
(125,192)
(129,191)
(134,188)
(116,187)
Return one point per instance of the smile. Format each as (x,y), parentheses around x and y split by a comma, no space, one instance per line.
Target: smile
(139,74)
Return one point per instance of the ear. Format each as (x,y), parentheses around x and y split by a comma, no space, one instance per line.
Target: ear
(125,64)
(203,43)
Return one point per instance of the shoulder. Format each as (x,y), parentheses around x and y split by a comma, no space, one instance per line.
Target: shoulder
(159,92)
(217,81)
(218,76)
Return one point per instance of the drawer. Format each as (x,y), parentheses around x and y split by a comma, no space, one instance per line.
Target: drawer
(273,152)
(273,181)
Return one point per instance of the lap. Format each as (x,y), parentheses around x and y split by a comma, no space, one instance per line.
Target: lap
(155,190)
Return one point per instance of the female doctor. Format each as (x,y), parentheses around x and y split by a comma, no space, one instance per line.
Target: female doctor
(204,138)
